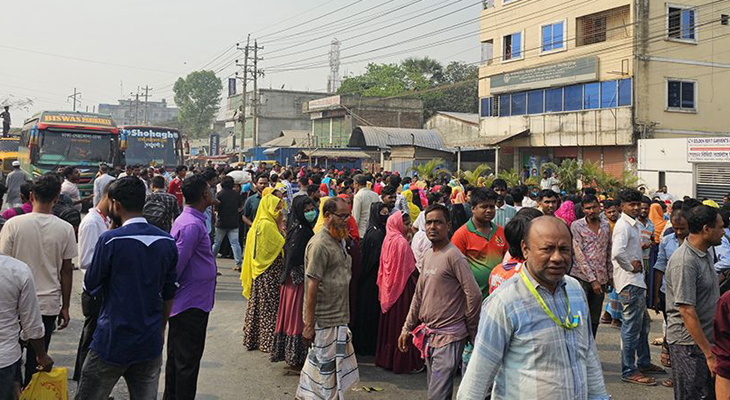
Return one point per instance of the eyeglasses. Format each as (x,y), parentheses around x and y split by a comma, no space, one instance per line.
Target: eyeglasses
(343,217)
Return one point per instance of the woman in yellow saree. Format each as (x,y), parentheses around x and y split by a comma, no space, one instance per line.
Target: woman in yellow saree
(262,266)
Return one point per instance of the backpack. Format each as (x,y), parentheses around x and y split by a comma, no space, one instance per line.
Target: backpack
(155,213)
(67,213)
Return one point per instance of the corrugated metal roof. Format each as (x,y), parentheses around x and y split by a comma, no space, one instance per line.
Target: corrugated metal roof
(382,137)
(290,138)
(335,153)
(470,118)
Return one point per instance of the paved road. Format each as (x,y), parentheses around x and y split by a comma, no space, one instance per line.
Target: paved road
(230,372)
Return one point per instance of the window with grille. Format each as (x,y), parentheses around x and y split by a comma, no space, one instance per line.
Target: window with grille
(681,95)
(512,47)
(681,23)
(603,26)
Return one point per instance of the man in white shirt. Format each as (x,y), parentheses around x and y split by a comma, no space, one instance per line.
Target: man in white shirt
(70,188)
(364,198)
(13,182)
(47,244)
(549,181)
(101,182)
(95,223)
(628,277)
(20,318)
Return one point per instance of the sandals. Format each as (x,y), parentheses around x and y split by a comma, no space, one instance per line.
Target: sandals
(616,324)
(665,360)
(668,383)
(658,341)
(640,379)
(606,318)
(652,369)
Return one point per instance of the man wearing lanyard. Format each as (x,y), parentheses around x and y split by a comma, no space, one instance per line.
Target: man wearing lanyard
(536,329)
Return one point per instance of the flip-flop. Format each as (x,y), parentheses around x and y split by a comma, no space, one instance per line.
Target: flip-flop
(652,369)
(640,379)
(668,383)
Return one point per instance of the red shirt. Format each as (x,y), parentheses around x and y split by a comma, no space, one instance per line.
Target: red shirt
(176,189)
(721,346)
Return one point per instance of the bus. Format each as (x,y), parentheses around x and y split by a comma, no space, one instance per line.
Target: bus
(8,153)
(151,146)
(51,140)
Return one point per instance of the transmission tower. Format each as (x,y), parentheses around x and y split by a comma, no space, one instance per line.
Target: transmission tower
(333,81)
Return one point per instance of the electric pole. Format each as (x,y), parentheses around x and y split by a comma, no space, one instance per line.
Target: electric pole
(136,106)
(255,103)
(242,116)
(76,98)
(146,98)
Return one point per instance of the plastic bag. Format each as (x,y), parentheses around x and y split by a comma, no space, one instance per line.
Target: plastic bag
(47,386)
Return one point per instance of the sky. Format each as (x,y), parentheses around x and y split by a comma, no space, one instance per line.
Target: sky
(107,49)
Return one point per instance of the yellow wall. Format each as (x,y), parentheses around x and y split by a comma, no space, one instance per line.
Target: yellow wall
(707,61)
(528,16)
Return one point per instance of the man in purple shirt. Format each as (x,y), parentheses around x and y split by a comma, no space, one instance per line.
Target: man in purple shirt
(194,298)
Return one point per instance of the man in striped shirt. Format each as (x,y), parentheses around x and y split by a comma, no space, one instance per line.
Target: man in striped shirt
(535,329)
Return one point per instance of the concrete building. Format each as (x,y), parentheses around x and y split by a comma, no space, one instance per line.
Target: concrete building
(124,112)
(455,129)
(334,118)
(279,110)
(586,80)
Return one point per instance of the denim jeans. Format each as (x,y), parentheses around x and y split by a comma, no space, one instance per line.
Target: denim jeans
(232,238)
(99,378)
(634,330)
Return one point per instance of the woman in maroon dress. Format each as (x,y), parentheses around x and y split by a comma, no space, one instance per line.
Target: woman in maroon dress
(288,345)
(397,279)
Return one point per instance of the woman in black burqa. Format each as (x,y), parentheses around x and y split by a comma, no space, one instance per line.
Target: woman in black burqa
(365,326)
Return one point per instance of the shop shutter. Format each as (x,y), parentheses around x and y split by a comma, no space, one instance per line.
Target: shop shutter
(712,181)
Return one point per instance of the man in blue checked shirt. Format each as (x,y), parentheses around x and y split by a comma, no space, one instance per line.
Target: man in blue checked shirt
(535,329)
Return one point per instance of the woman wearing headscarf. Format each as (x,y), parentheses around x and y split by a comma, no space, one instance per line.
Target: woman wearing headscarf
(420,243)
(413,210)
(365,324)
(397,279)
(352,243)
(458,212)
(263,263)
(566,212)
(288,344)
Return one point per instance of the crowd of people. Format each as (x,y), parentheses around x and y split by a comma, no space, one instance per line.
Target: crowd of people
(497,284)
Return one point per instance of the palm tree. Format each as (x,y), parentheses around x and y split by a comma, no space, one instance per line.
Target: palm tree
(512,177)
(426,171)
(473,176)
(568,173)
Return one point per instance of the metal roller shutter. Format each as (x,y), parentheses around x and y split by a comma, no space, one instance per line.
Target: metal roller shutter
(712,181)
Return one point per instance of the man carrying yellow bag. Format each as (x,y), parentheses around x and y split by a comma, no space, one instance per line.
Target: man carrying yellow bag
(18,308)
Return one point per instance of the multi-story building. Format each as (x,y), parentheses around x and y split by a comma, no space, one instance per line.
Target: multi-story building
(278,110)
(567,79)
(154,112)
(335,117)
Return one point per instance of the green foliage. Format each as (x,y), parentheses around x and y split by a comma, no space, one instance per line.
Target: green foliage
(198,96)
(568,173)
(417,76)
(473,176)
(595,176)
(512,177)
(427,171)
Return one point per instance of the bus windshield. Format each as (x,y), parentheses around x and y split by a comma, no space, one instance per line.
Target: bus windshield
(152,147)
(61,148)
(9,144)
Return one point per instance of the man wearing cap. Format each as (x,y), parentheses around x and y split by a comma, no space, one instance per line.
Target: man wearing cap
(15,179)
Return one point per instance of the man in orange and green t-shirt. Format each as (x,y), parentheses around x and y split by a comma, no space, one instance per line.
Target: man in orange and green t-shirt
(480,239)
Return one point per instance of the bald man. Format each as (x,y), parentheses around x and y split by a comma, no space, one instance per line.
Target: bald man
(535,329)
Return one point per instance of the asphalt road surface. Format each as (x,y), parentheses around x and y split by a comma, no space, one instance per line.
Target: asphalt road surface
(228,371)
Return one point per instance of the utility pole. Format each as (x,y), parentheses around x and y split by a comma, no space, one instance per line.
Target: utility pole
(242,116)
(146,98)
(76,98)
(136,106)
(255,103)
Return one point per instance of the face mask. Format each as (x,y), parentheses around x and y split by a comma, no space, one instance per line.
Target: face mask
(310,216)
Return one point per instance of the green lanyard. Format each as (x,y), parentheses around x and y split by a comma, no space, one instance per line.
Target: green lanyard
(567,324)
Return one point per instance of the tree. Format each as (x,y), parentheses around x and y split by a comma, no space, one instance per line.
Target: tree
(511,176)
(453,88)
(473,176)
(426,171)
(198,96)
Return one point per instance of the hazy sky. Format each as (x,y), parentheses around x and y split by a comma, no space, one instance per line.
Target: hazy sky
(106,49)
